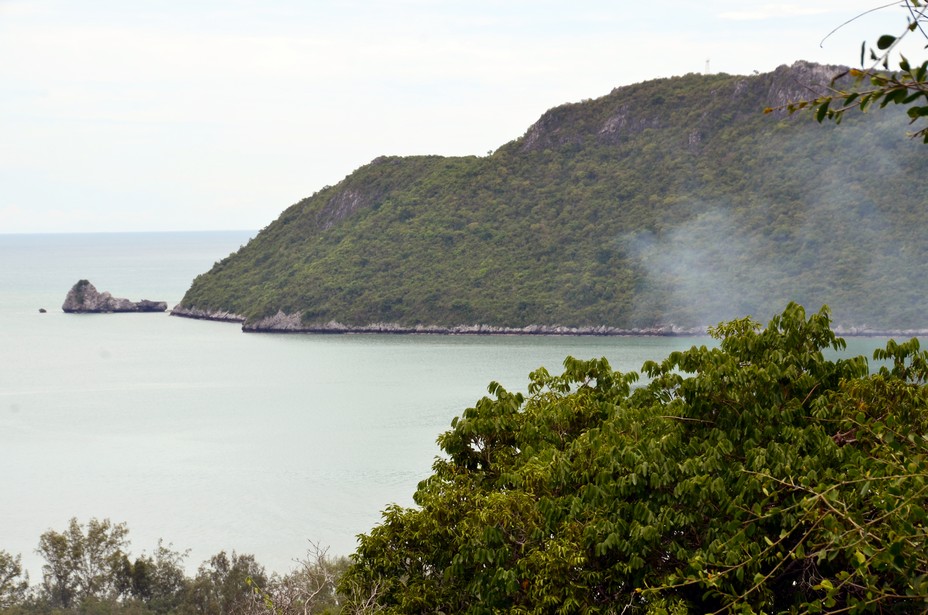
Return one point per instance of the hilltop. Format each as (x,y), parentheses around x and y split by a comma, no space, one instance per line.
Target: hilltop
(662,206)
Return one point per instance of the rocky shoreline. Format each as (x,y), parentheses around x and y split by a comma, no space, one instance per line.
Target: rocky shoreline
(198,314)
(291,323)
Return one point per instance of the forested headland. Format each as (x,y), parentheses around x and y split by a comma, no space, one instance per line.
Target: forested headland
(671,203)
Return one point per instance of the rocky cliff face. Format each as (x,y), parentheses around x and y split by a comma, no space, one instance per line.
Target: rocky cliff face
(84,298)
(623,114)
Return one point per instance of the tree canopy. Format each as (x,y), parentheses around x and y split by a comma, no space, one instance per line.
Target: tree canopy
(14,583)
(759,475)
(88,570)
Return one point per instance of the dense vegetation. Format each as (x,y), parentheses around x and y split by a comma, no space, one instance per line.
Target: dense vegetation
(88,570)
(671,201)
(757,476)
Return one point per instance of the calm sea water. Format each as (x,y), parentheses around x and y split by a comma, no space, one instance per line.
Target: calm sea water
(212,439)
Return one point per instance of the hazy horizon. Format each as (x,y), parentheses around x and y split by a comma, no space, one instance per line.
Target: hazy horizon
(206,114)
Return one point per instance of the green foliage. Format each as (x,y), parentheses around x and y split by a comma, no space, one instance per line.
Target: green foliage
(876,85)
(670,201)
(13,581)
(225,584)
(82,562)
(756,476)
(157,580)
(89,572)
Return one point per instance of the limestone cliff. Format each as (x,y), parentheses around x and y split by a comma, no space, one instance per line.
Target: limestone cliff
(84,298)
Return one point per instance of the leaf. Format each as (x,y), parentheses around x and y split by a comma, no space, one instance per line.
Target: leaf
(822,111)
(825,584)
(885,42)
(920,72)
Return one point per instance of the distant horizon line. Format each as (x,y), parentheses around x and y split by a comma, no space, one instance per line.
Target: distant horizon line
(4,234)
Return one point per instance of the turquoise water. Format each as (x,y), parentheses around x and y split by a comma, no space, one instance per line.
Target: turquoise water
(213,439)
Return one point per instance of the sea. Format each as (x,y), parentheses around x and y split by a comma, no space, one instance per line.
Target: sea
(210,439)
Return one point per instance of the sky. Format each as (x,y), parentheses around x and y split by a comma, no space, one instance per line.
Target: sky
(168,115)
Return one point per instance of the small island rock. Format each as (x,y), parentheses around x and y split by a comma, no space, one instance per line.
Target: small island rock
(84,298)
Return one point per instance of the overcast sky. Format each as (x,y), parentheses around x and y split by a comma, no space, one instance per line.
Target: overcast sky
(149,115)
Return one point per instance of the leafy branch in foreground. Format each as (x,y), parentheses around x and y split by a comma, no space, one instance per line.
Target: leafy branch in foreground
(876,85)
(756,476)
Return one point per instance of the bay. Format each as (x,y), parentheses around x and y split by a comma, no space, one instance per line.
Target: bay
(213,439)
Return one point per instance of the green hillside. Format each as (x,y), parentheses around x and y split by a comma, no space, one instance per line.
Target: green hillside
(675,201)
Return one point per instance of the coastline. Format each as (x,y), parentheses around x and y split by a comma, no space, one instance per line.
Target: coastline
(291,323)
(198,314)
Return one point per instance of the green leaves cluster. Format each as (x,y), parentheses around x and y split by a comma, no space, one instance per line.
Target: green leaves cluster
(14,582)
(871,88)
(877,85)
(756,476)
(83,562)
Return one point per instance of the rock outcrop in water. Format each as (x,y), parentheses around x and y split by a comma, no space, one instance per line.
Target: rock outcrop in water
(84,298)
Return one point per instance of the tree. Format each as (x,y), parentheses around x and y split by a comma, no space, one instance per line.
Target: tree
(875,84)
(227,585)
(756,476)
(79,564)
(308,589)
(14,583)
(156,580)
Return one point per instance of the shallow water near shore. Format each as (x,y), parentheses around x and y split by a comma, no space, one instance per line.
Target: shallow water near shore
(213,439)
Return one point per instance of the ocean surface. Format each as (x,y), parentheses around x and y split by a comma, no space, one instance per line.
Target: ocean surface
(212,439)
